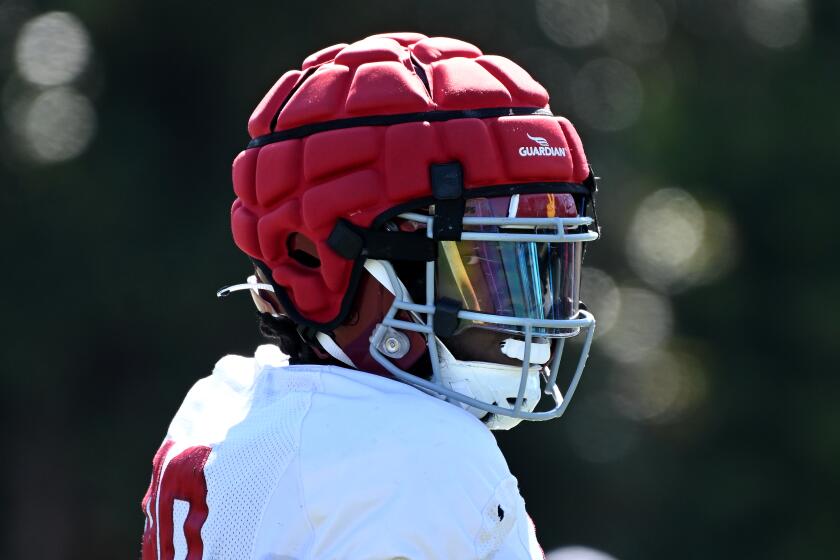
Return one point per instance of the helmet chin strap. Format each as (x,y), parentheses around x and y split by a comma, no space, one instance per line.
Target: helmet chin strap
(251,284)
(334,350)
(378,271)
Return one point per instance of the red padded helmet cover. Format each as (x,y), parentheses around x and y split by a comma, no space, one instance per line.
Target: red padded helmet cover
(304,185)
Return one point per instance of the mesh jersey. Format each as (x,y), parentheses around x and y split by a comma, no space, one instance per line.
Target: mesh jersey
(270,461)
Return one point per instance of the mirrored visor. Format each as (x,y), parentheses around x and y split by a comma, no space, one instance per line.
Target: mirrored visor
(533,280)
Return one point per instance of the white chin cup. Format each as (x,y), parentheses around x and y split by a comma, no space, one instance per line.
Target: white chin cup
(491,383)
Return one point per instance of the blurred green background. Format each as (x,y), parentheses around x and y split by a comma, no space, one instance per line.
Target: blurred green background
(707,424)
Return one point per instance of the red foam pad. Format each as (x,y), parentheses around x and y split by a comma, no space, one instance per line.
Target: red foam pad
(277,171)
(386,88)
(244,181)
(322,56)
(516,80)
(579,163)
(409,150)
(479,157)
(345,196)
(244,226)
(462,83)
(405,38)
(329,153)
(437,48)
(372,49)
(306,287)
(260,121)
(319,98)
(274,228)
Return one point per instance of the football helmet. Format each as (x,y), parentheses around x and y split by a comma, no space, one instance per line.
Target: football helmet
(414,206)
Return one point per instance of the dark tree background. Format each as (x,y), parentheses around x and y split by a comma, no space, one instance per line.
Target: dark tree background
(707,423)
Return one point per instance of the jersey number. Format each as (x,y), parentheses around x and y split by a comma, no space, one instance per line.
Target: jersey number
(178,487)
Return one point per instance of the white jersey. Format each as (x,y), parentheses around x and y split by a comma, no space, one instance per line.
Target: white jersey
(268,461)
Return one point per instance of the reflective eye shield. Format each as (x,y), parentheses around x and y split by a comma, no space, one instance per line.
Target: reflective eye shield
(496,303)
(503,275)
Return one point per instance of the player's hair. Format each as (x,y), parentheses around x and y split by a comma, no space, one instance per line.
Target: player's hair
(283,332)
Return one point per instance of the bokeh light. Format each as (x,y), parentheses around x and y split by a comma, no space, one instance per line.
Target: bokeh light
(644,324)
(664,235)
(52,49)
(718,253)
(660,388)
(775,24)
(578,553)
(673,243)
(55,125)
(571,23)
(607,94)
(638,29)
(600,294)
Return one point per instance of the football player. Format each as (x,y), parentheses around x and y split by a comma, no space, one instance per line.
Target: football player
(416,216)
